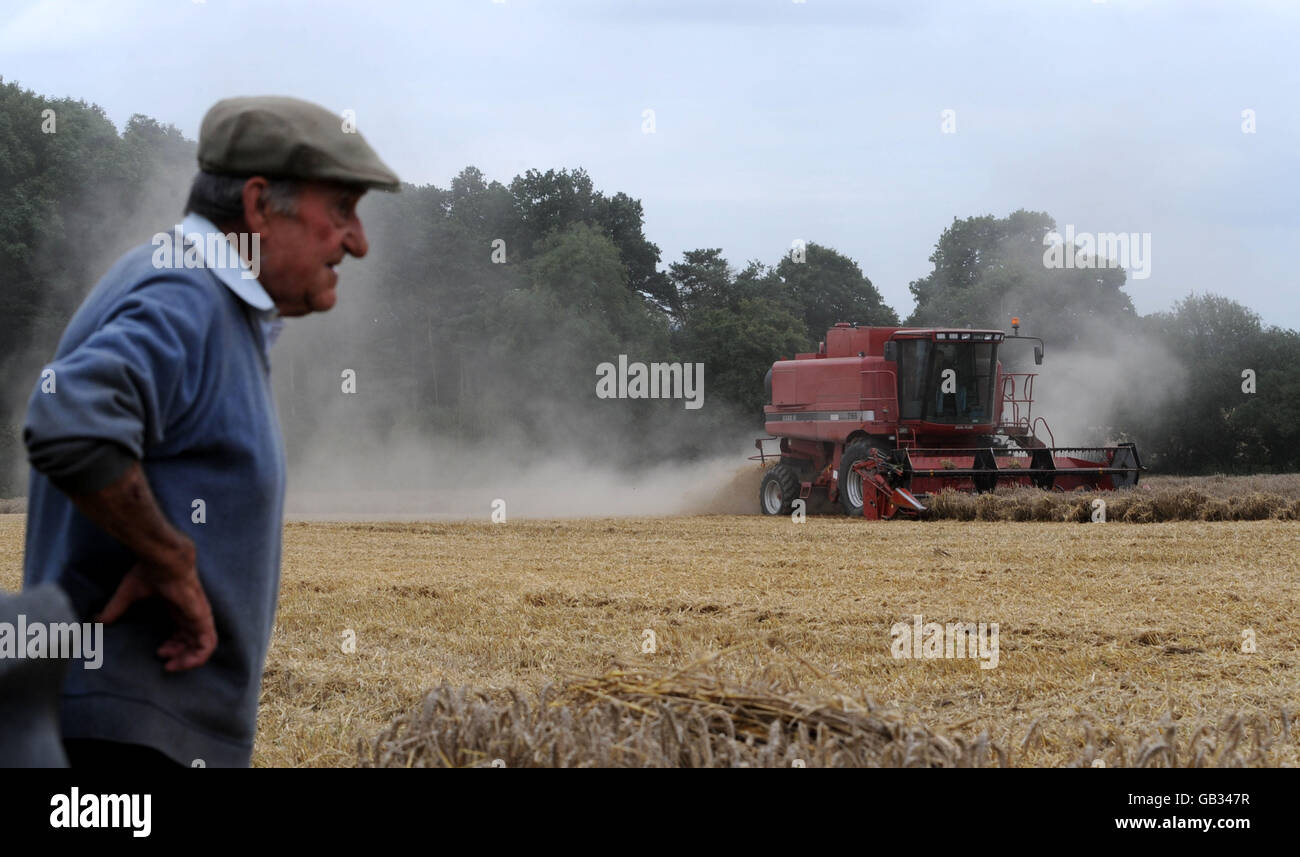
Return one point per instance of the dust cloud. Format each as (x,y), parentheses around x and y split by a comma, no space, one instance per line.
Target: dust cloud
(101,229)
(378,456)
(431,479)
(1084,393)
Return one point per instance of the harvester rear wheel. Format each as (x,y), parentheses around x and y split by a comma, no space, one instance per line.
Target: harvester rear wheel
(778,490)
(850,487)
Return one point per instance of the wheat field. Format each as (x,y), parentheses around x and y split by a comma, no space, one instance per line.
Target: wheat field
(1109,633)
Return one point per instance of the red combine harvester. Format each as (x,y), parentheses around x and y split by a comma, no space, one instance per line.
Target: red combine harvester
(882,417)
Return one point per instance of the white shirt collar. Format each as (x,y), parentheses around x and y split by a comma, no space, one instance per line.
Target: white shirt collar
(232,270)
(236,274)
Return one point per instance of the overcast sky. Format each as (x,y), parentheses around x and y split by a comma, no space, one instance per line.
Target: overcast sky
(773,120)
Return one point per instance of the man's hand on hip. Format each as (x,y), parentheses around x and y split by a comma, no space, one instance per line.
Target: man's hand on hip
(195,637)
(167,567)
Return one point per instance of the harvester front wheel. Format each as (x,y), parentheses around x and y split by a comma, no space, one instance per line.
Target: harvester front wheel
(850,487)
(778,490)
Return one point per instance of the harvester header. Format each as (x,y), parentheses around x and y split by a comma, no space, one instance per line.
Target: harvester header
(881,417)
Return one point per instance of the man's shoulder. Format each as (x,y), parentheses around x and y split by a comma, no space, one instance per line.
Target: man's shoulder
(143,283)
(155,263)
(152,273)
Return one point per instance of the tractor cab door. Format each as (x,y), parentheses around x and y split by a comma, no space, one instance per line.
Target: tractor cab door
(947,382)
(913,373)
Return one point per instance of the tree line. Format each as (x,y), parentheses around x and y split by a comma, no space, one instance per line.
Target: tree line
(485,307)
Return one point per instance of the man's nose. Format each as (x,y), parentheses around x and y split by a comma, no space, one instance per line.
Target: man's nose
(354,239)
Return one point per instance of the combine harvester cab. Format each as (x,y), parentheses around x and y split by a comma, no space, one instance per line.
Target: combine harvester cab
(879,418)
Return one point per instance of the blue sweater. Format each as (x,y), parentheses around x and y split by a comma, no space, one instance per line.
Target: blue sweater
(169,366)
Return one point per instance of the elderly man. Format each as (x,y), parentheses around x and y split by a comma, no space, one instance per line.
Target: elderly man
(157,487)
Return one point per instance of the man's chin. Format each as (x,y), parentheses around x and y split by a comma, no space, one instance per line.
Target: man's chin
(323,303)
(318,302)
(308,303)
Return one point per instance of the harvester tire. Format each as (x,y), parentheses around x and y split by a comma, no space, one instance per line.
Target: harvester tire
(850,484)
(778,490)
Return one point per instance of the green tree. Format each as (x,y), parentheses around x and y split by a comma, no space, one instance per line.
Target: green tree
(1265,424)
(829,287)
(737,346)
(702,279)
(620,217)
(581,269)
(736,325)
(987,270)
(1215,426)
(550,201)
(557,199)
(484,209)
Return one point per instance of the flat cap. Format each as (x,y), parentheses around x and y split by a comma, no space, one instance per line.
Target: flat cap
(282,137)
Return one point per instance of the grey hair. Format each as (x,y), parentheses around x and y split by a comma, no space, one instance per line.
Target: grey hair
(220,198)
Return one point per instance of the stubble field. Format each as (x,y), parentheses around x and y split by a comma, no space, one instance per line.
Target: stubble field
(1105,630)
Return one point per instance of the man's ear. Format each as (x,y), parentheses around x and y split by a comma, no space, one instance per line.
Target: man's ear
(256,211)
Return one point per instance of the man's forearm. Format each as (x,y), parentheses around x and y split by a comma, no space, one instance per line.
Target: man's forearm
(127,511)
